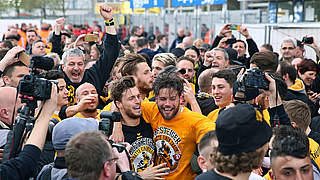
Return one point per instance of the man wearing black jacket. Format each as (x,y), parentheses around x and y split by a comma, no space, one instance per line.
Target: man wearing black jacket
(98,74)
(239,45)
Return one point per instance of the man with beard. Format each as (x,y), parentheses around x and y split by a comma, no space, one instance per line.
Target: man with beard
(137,132)
(87,93)
(177,130)
(136,65)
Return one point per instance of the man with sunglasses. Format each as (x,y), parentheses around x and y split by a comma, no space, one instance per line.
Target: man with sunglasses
(288,49)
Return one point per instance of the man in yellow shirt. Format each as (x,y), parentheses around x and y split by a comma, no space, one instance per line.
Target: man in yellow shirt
(177,130)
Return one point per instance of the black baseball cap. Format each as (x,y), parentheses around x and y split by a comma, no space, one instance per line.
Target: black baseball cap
(151,38)
(240,129)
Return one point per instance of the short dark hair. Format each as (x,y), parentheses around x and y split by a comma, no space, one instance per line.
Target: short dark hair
(289,141)
(3,53)
(265,60)
(226,74)
(32,30)
(268,47)
(8,44)
(193,48)
(307,65)
(121,85)
(9,69)
(161,36)
(287,68)
(168,80)
(186,58)
(86,153)
(206,139)
(129,66)
(141,42)
(36,41)
(239,40)
(53,75)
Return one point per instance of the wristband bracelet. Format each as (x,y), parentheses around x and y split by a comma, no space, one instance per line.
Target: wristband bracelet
(109,22)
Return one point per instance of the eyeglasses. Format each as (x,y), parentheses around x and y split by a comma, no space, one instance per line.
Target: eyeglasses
(289,48)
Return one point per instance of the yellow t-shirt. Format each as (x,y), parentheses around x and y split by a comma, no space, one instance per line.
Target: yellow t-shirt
(82,116)
(214,115)
(176,139)
(56,116)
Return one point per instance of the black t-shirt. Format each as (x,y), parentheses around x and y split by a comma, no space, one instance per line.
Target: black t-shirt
(211,175)
(140,138)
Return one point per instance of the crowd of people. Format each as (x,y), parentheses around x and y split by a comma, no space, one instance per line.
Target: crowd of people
(129,106)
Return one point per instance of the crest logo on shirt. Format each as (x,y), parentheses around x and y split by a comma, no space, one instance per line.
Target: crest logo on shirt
(168,152)
(141,154)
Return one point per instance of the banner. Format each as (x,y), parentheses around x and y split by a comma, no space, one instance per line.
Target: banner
(136,4)
(175,3)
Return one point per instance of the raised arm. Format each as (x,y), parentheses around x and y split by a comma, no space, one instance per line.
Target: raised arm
(100,71)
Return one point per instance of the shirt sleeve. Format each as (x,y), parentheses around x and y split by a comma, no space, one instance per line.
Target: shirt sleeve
(23,166)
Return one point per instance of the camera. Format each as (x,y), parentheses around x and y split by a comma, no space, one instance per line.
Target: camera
(307,40)
(255,78)
(32,87)
(107,119)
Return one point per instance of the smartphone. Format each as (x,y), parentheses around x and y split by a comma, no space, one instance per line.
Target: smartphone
(234,27)
(24,58)
(90,38)
(307,40)
(231,41)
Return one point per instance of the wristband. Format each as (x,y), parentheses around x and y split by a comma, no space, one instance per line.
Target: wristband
(109,22)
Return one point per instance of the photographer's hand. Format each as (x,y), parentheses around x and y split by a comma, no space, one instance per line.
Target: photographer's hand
(123,161)
(154,172)
(273,95)
(38,134)
(117,134)
(9,58)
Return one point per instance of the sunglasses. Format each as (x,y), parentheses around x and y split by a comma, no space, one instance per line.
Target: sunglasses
(285,48)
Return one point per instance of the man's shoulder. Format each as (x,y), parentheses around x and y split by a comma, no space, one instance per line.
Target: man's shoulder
(211,175)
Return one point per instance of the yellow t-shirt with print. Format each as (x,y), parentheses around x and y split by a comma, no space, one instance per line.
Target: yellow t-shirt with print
(82,116)
(176,139)
(214,115)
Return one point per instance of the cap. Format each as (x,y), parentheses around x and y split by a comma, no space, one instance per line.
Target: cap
(178,52)
(248,94)
(151,38)
(12,37)
(240,129)
(67,128)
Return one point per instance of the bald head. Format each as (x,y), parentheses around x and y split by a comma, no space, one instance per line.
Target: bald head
(87,93)
(7,104)
(180,32)
(187,41)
